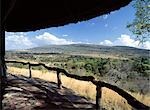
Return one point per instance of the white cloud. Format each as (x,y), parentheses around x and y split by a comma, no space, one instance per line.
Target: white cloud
(126,40)
(10,33)
(113,12)
(93,23)
(64,35)
(105,16)
(106,25)
(146,45)
(22,41)
(79,22)
(48,38)
(18,41)
(106,42)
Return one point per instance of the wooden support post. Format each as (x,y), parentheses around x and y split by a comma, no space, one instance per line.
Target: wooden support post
(2,51)
(59,79)
(98,96)
(3,77)
(30,75)
(2,54)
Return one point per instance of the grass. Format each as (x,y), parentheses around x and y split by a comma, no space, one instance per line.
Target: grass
(110,99)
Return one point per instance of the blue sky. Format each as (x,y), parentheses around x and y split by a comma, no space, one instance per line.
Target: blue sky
(109,29)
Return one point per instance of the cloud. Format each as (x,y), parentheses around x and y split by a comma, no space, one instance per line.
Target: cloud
(48,38)
(106,25)
(105,17)
(146,45)
(106,42)
(22,41)
(18,41)
(64,35)
(79,22)
(126,40)
(113,12)
(93,23)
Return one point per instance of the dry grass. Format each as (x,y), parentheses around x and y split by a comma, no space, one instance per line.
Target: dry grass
(110,100)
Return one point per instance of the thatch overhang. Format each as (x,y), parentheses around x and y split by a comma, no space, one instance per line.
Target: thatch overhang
(31,15)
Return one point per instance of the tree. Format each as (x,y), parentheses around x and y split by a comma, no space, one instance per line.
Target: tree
(140,26)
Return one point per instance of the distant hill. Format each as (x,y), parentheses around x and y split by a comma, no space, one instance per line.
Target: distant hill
(90,49)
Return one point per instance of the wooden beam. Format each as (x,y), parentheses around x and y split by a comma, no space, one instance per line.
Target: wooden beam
(130,99)
(2,47)
(2,54)
(30,75)
(98,97)
(59,79)
(1,95)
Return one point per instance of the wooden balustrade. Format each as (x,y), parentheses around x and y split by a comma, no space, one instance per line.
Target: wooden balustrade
(30,75)
(98,96)
(99,84)
(59,79)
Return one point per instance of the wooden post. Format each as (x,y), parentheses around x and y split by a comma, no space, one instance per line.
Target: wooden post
(98,96)
(2,54)
(59,79)
(30,75)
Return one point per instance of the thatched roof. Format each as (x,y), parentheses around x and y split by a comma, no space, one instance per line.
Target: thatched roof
(31,15)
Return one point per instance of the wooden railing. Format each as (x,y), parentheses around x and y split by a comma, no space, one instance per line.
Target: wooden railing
(99,84)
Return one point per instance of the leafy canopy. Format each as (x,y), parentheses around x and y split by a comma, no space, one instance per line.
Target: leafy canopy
(140,26)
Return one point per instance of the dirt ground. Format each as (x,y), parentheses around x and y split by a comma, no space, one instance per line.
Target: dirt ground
(23,93)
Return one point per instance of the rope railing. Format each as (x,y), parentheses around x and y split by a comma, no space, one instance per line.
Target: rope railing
(99,84)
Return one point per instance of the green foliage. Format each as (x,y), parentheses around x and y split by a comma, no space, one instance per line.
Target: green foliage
(124,71)
(142,65)
(18,65)
(88,67)
(117,71)
(37,68)
(103,66)
(141,24)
